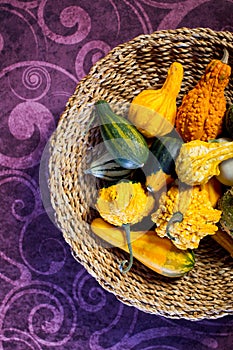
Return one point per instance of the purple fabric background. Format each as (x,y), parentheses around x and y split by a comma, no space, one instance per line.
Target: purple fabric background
(48,301)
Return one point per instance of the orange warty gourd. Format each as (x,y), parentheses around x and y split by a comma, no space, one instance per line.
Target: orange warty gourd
(153,112)
(200,116)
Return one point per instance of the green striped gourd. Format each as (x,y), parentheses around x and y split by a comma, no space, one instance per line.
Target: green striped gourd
(123,141)
(107,169)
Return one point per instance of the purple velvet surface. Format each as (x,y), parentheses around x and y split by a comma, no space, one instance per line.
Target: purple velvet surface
(48,300)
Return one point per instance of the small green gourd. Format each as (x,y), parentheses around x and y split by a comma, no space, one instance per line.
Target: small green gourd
(107,169)
(123,141)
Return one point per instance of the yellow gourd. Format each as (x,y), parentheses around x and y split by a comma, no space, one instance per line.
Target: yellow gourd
(158,254)
(124,204)
(214,189)
(198,161)
(185,216)
(153,112)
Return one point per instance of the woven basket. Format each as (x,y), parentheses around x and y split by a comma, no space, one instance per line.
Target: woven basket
(207,290)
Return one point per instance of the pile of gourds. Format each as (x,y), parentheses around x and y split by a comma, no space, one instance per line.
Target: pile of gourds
(169,164)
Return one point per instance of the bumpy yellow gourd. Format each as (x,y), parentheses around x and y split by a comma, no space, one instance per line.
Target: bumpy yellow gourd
(153,112)
(122,205)
(196,219)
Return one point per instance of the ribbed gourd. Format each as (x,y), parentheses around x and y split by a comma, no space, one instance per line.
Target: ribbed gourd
(105,167)
(200,116)
(153,111)
(123,141)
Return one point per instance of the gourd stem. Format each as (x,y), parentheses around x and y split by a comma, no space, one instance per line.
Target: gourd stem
(122,267)
(176,217)
(225,56)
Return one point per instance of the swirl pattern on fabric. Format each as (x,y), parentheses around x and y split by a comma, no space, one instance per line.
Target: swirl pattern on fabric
(48,301)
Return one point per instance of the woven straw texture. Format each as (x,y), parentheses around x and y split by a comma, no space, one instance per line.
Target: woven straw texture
(207,290)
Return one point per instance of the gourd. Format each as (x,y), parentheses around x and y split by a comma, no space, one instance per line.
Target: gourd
(153,112)
(226,167)
(200,116)
(215,192)
(123,141)
(158,254)
(124,204)
(224,235)
(185,215)
(226,172)
(225,204)
(228,121)
(107,169)
(214,189)
(198,160)
(160,167)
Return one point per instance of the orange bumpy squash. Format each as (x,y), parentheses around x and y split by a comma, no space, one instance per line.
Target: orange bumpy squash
(200,116)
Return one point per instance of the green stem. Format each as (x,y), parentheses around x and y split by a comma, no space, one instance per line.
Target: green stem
(176,217)
(122,267)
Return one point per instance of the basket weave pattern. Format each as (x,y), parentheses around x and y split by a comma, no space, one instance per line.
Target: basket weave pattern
(207,290)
